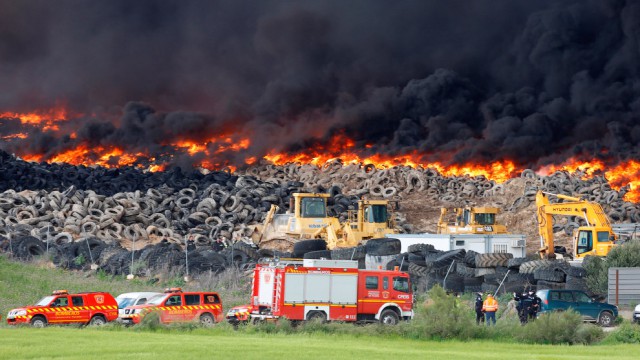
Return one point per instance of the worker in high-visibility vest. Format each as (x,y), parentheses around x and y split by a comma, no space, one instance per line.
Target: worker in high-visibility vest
(490,306)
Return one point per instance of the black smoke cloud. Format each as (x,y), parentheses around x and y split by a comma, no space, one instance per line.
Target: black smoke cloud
(535,82)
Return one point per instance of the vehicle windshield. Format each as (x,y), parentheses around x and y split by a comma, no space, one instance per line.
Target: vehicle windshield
(157,299)
(45,301)
(485,219)
(124,302)
(376,214)
(313,208)
(401,284)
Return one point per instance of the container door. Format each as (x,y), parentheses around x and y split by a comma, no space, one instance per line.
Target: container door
(344,297)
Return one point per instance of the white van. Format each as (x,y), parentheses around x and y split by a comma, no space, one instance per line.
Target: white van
(133,298)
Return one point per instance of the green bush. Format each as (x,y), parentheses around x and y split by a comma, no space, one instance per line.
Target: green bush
(625,255)
(559,328)
(443,317)
(626,333)
(150,322)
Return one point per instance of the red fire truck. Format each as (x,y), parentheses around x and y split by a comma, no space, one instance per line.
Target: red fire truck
(329,290)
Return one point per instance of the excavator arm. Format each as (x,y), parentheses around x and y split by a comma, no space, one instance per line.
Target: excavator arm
(591,212)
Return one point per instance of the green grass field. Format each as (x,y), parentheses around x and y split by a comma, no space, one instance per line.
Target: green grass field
(88,343)
(22,284)
(25,283)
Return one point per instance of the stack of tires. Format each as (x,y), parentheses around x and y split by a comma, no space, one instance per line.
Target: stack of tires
(468,271)
(381,253)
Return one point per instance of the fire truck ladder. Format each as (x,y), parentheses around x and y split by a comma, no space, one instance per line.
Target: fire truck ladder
(275,308)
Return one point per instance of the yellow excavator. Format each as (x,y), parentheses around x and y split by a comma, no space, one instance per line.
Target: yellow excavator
(307,219)
(596,238)
(470,220)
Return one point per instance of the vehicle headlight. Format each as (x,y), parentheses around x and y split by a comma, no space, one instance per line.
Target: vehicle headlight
(232,311)
(13,313)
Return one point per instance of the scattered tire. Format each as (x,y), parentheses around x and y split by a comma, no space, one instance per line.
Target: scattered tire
(493,259)
(354,253)
(421,249)
(417,270)
(304,246)
(515,263)
(549,275)
(530,266)
(320,254)
(382,246)
(543,284)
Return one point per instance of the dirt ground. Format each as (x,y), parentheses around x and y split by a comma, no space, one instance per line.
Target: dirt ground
(423,213)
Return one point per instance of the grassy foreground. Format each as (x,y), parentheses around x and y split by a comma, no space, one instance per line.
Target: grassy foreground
(88,343)
(25,283)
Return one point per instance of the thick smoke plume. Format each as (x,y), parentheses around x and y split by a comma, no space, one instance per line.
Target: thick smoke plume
(535,82)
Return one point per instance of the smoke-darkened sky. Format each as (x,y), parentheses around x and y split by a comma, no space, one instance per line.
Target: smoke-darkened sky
(458,80)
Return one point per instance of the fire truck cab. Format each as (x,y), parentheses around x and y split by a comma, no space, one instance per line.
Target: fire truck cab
(174,305)
(94,308)
(329,290)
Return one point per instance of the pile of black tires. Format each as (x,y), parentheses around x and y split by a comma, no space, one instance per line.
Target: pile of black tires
(468,271)
(116,260)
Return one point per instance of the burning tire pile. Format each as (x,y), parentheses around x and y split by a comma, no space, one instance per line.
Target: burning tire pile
(92,215)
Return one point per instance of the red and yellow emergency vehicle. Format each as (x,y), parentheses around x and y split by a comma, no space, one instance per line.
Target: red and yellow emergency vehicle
(174,305)
(239,314)
(329,290)
(94,308)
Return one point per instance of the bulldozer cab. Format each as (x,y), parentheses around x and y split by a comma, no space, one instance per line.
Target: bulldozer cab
(313,207)
(376,214)
(307,214)
(593,241)
(470,220)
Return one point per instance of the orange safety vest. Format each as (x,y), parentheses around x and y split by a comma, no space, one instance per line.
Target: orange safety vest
(490,305)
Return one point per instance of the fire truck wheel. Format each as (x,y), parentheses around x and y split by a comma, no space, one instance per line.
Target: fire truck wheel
(97,320)
(318,316)
(389,317)
(38,322)
(207,320)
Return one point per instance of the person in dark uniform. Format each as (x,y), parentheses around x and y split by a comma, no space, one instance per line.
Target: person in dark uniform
(525,308)
(479,312)
(517,298)
(535,305)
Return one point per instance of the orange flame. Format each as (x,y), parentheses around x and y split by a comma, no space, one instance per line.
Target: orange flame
(217,150)
(626,173)
(46,119)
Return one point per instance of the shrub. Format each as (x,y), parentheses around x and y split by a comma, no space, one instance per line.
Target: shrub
(625,255)
(150,322)
(559,328)
(626,333)
(443,316)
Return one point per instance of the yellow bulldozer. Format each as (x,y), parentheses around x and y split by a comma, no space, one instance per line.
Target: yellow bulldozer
(470,220)
(307,218)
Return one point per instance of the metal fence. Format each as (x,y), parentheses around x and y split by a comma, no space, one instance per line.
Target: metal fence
(624,286)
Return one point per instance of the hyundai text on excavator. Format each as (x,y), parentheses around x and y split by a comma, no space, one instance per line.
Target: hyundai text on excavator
(307,219)
(470,220)
(596,238)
